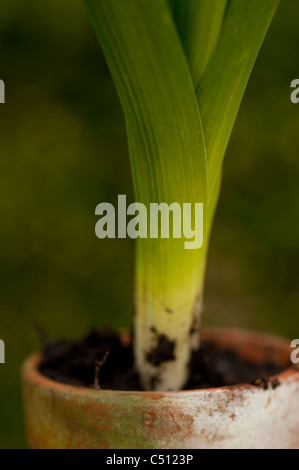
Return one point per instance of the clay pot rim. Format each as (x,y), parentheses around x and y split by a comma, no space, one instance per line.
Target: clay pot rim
(31,373)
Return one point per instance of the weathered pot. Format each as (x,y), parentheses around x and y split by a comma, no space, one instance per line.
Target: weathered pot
(241,416)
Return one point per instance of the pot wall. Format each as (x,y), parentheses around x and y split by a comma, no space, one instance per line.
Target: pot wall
(59,416)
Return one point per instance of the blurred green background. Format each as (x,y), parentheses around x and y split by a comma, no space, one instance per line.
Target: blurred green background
(63,151)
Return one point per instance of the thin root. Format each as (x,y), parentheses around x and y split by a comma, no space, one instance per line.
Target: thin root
(98,366)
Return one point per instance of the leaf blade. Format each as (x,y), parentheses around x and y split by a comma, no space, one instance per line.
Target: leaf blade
(168,161)
(224,82)
(199,24)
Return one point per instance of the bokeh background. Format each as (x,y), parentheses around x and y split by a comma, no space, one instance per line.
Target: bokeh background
(63,150)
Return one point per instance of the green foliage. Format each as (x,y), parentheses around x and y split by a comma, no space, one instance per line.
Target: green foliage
(179,110)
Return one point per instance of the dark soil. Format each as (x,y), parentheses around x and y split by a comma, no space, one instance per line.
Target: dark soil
(86,363)
(164,351)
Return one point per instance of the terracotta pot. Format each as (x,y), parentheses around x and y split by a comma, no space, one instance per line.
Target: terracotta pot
(241,416)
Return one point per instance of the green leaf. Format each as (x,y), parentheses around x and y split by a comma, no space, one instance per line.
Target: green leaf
(180,68)
(222,87)
(199,24)
(221,39)
(169,164)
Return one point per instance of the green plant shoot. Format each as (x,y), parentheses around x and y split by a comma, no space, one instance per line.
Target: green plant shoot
(181,68)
